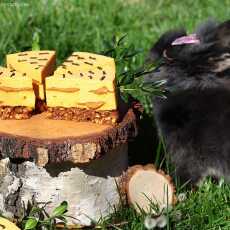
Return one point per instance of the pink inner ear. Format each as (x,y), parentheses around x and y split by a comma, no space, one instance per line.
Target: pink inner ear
(190,39)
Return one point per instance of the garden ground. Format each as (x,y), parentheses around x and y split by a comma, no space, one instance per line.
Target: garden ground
(87,25)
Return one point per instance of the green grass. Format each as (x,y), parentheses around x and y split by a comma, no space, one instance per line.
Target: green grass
(67,25)
(206,208)
(86,25)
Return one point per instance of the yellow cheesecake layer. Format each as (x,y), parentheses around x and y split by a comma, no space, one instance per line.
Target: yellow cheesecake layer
(72,91)
(84,80)
(16,89)
(89,65)
(36,64)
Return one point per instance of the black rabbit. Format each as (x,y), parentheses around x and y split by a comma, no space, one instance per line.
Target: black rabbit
(194,118)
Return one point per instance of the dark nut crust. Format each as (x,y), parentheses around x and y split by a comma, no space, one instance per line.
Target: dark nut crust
(76,114)
(15,113)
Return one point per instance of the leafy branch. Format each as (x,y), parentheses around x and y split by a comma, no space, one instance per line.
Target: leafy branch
(38,218)
(129,77)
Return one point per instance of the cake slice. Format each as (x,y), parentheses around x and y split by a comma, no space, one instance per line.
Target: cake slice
(17,99)
(83,89)
(36,64)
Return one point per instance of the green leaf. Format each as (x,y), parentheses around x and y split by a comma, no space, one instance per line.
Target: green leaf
(35,210)
(120,41)
(31,223)
(126,78)
(36,41)
(60,210)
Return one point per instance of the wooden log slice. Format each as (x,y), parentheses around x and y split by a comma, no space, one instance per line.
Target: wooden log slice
(53,141)
(145,185)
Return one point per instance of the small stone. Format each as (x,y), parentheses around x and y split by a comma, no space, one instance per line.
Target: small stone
(182,197)
(177,215)
(161,221)
(150,223)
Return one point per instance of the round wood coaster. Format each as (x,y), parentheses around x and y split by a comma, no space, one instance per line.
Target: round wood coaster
(52,141)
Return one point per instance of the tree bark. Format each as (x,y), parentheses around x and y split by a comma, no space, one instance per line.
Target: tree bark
(71,141)
(90,188)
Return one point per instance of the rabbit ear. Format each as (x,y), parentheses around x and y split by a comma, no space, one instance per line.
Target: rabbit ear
(206,30)
(223,34)
(163,43)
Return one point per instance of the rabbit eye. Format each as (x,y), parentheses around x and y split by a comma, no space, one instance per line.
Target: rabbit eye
(166,56)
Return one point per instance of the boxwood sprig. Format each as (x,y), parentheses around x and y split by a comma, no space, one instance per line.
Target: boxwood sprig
(129,77)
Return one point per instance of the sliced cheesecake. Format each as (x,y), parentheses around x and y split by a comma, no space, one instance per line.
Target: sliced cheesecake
(83,88)
(37,65)
(17,98)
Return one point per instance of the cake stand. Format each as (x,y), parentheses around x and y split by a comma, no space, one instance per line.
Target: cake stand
(46,160)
